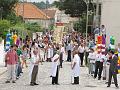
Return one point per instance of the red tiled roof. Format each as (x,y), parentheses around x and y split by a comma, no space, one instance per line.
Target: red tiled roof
(30,11)
(50,13)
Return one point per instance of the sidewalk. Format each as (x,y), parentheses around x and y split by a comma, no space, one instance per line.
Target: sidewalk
(3,69)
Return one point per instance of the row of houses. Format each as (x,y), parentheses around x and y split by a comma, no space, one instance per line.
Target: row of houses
(45,17)
(33,14)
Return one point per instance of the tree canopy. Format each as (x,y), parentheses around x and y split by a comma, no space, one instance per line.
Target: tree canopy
(73,7)
(6,7)
(42,5)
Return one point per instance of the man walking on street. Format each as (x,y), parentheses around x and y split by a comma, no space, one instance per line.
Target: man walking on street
(12,59)
(113,69)
(55,68)
(69,50)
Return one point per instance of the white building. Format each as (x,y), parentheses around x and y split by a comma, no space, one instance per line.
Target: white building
(111,18)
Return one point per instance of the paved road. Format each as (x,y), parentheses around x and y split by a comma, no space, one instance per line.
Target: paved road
(86,81)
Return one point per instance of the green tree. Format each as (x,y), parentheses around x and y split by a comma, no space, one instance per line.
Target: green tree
(34,27)
(80,25)
(4,27)
(14,19)
(42,5)
(75,8)
(7,6)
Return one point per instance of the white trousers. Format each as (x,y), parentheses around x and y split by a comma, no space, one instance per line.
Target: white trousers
(11,72)
(107,72)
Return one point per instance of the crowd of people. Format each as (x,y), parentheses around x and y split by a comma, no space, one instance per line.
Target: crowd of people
(41,49)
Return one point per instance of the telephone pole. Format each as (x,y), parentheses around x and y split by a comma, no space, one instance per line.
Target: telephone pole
(97,14)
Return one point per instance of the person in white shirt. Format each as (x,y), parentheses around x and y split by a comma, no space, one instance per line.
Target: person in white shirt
(103,30)
(81,50)
(62,52)
(48,48)
(51,51)
(98,65)
(91,57)
(76,67)
(55,68)
(69,51)
(35,60)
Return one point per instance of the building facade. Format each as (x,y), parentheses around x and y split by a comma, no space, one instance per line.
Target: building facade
(110,17)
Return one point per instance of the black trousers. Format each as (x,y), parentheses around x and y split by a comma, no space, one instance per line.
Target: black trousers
(114,75)
(34,74)
(86,58)
(55,79)
(76,80)
(61,59)
(81,57)
(98,67)
(69,56)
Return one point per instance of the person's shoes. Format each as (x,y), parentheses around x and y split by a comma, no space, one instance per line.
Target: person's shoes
(57,84)
(104,78)
(31,84)
(81,66)
(99,78)
(51,76)
(53,83)
(21,72)
(17,77)
(108,86)
(7,82)
(13,82)
(117,87)
(73,83)
(36,84)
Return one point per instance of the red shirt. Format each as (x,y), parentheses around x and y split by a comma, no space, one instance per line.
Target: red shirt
(12,57)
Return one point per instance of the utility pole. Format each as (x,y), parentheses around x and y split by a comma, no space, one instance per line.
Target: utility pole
(1,11)
(97,14)
(87,3)
(87,18)
(46,15)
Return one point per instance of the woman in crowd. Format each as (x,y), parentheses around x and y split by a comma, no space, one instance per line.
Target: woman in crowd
(24,56)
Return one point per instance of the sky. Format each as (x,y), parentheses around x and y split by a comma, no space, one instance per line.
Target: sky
(41,0)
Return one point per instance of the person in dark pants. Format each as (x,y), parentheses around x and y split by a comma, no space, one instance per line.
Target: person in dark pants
(69,50)
(18,68)
(69,56)
(55,68)
(55,79)
(34,75)
(76,67)
(113,69)
(61,59)
(98,66)
(86,55)
(35,60)
(81,53)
